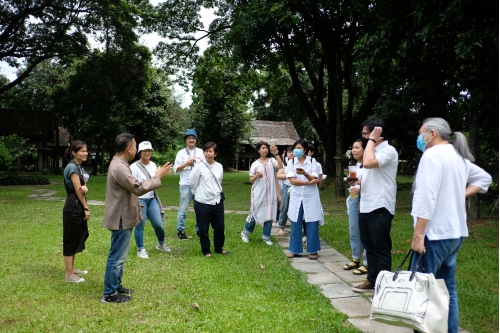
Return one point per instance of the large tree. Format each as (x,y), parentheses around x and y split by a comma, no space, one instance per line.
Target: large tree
(220,104)
(34,31)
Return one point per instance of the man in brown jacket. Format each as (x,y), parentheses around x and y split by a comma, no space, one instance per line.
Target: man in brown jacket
(123,212)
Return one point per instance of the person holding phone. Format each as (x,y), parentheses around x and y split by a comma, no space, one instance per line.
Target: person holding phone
(144,169)
(265,194)
(304,201)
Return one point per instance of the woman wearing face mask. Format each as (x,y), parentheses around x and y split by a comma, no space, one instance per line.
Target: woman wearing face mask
(76,211)
(151,207)
(285,187)
(304,201)
(358,148)
(265,192)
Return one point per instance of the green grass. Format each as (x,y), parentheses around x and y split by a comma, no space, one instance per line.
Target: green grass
(234,294)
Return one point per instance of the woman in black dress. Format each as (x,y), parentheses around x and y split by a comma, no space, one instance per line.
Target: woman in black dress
(76,211)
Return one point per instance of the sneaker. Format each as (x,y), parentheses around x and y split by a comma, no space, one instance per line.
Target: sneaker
(122,290)
(116,298)
(80,271)
(268,242)
(304,239)
(142,254)
(163,247)
(364,287)
(244,237)
(74,278)
(181,235)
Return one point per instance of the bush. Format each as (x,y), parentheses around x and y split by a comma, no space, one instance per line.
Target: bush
(24,180)
(161,158)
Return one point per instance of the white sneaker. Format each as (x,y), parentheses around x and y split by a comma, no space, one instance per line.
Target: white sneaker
(142,254)
(304,239)
(163,247)
(268,242)
(244,237)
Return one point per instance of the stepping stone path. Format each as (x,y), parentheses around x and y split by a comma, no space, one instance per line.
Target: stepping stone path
(327,272)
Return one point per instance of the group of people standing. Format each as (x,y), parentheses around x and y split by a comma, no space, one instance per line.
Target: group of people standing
(445,177)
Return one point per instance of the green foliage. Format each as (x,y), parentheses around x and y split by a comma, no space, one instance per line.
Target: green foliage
(24,180)
(165,156)
(34,31)
(13,150)
(220,105)
(5,160)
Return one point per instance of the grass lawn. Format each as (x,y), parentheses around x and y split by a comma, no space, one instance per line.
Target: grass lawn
(233,292)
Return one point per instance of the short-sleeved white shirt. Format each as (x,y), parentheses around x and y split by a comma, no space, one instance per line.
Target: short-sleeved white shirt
(182,156)
(307,195)
(378,185)
(139,175)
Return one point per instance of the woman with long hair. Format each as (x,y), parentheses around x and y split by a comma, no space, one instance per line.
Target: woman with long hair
(358,147)
(304,201)
(76,210)
(265,194)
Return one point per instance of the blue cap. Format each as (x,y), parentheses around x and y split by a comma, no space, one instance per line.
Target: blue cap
(192,132)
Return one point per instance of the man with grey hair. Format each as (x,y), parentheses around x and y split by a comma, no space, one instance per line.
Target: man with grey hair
(445,177)
(377,201)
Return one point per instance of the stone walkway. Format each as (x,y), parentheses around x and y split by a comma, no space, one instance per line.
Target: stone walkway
(327,272)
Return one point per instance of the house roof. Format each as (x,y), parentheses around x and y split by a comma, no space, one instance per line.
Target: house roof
(26,123)
(280,133)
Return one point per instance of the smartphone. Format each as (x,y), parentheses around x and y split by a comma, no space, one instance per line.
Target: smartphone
(299,169)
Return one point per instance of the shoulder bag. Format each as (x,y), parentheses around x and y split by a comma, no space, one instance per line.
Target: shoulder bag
(222,197)
(411,299)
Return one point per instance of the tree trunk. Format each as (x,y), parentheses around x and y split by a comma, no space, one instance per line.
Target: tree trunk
(473,211)
(96,164)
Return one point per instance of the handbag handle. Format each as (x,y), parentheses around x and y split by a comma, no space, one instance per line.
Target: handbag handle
(400,267)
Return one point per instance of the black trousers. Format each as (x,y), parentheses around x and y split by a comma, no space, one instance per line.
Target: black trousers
(375,230)
(207,215)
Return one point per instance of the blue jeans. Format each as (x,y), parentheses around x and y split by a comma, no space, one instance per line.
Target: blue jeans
(440,258)
(354,235)
(150,210)
(312,235)
(284,206)
(185,198)
(375,231)
(118,251)
(266,233)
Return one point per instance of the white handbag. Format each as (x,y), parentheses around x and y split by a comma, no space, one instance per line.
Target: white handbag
(411,299)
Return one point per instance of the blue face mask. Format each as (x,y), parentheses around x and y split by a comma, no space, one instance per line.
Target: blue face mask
(298,153)
(421,144)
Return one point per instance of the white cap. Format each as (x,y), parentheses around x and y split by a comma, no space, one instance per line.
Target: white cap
(145,145)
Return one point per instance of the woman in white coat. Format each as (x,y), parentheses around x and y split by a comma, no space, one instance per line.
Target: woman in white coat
(304,201)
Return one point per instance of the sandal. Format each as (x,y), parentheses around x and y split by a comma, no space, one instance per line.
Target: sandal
(208,255)
(361,270)
(292,255)
(281,232)
(353,264)
(313,256)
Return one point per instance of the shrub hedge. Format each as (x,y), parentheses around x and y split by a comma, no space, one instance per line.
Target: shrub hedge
(24,180)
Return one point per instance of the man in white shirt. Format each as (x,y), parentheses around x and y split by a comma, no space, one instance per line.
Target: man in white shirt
(377,201)
(184,161)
